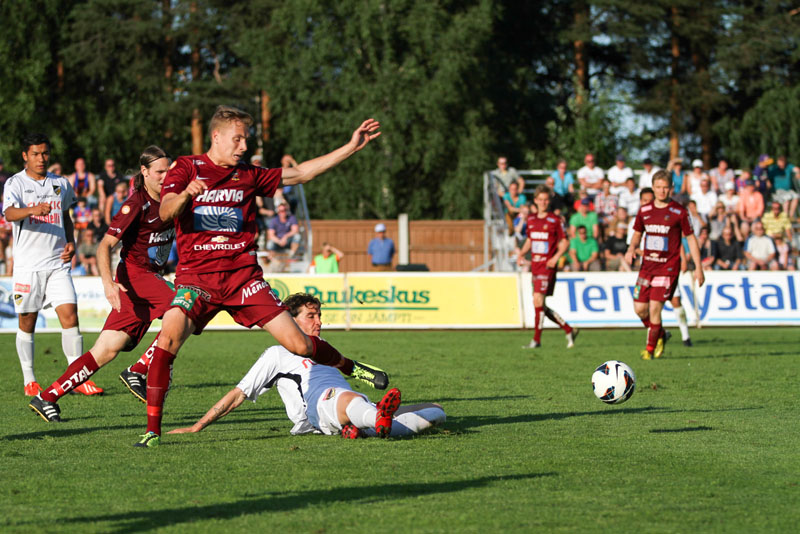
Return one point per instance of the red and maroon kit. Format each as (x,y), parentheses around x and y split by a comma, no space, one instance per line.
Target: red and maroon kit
(146,242)
(544,233)
(663,230)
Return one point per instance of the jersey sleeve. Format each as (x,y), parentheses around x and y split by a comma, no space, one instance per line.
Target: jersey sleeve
(686,224)
(638,224)
(69,200)
(560,232)
(180,173)
(268,181)
(127,217)
(12,195)
(254,383)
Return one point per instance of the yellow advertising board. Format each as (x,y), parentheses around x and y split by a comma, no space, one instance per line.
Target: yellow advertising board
(406,300)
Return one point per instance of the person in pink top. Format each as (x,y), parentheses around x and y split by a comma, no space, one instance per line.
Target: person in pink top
(751,202)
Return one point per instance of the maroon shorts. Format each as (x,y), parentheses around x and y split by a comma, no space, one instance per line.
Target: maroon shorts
(657,287)
(544,282)
(243,293)
(148,297)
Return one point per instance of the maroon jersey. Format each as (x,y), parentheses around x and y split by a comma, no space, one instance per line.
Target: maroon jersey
(663,230)
(545,234)
(146,239)
(217,230)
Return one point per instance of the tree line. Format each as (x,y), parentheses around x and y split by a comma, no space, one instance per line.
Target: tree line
(454,84)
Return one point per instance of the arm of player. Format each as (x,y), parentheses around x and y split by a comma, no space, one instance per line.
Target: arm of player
(13,214)
(110,287)
(563,246)
(69,232)
(232,400)
(308,170)
(524,250)
(173,204)
(694,252)
(635,240)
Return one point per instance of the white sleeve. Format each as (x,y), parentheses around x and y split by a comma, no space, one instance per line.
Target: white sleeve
(12,194)
(254,383)
(69,197)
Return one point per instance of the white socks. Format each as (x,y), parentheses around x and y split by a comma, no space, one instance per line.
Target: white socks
(72,343)
(25,353)
(680,316)
(361,413)
(409,423)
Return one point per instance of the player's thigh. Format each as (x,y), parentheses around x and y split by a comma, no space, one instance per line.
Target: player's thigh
(59,290)
(283,328)
(67,315)
(29,292)
(176,327)
(108,344)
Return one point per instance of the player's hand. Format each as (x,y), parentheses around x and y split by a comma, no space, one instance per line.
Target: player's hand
(185,430)
(69,252)
(195,187)
(629,257)
(364,134)
(552,262)
(700,276)
(42,208)
(112,295)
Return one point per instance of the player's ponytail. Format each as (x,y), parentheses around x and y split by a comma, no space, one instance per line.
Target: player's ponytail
(150,155)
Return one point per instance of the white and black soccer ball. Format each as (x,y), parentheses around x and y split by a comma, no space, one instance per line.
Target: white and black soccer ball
(613,382)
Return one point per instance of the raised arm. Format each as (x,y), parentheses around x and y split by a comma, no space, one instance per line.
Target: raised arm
(232,400)
(308,170)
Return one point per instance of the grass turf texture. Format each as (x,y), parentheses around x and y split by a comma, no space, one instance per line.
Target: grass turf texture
(707,443)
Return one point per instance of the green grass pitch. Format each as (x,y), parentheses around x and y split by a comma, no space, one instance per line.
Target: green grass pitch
(709,442)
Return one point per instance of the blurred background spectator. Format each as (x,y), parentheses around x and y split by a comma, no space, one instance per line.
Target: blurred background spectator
(614,249)
(583,252)
(584,218)
(507,175)
(84,182)
(646,178)
(327,262)
(381,249)
(759,250)
(283,234)
(727,251)
(751,202)
(114,202)
(618,174)
(721,176)
(107,181)
(780,175)
(590,176)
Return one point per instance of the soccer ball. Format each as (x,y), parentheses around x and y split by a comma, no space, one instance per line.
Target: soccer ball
(613,382)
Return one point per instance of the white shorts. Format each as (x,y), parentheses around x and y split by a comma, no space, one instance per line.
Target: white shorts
(36,290)
(327,413)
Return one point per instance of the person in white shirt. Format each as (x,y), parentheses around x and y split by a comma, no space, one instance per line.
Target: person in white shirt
(629,198)
(618,174)
(646,178)
(38,204)
(591,177)
(729,198)
(317,397)
(705,198)
(694,178)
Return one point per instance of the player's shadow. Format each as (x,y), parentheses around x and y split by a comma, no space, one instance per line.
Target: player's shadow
(678,430)
(202,385)
(726,355)
(60,432)
(462,424)
(440,400)
(149,519)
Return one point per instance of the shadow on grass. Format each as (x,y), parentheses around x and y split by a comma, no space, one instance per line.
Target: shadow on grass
(734,355)
(149,519)
(61,432)
(454,399)
(676,430)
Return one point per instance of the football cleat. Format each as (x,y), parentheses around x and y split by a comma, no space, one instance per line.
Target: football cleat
(151,439)
(647,355)
(373,376)
(136,384)
(386,409)
(351,432)
(49,411)
(688,342)
(572,336)
(88,388)
(32,389)
(662,344)
(532,345)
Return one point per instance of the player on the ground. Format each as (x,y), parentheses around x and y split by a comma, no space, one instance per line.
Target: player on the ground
(137,296)
(38,204)
(212,198)
(665,222)
(547,243)
(317,398)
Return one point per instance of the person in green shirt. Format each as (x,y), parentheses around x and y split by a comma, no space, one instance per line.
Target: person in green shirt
(583,252)
(780,176)
(584,218)
(328,261)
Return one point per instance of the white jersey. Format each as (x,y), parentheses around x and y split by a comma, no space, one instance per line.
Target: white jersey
(300,382)
(39,240)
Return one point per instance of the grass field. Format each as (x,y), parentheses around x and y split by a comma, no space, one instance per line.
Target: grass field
(709,442)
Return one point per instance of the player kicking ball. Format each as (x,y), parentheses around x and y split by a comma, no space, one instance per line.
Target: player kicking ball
(547,243)
(665,222)
(317,398)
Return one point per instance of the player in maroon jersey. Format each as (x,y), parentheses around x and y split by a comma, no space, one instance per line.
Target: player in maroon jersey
(212,199)
(547,243)
(665,223)
(137,296)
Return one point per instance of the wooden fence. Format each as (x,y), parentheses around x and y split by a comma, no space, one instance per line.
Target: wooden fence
(441,245)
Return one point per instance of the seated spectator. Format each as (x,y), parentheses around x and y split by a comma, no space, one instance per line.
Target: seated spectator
(328,261)
(741,180)
(615,247)
(760,177)
(557,204)
(521,225)
(646,178)
(776,222)
(704,198)
(584,218)
(751,203)
(284,232)
(618,175)
(563,183)
(730,199)
(114,203)
(5,247)
(721,176)
(81,215)
(581,195)
(84,182)
(742,233)
(97,225)
(590,176)
(513,200)
(629,198)
(265,210)
(727,251)
(507,175)
(583,252)
(694,177)
(783,254)
(698,223)
(605,203)
(760,250)
(706,250)
(87,253)
(674,167)
(717,221)
(780,176)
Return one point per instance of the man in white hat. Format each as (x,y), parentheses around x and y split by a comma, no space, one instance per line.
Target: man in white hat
(381,249)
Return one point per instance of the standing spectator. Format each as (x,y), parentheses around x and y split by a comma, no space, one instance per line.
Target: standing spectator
(563,183)
(283,232)
(727,251)
(583,252)
(328,261)
(629,198)
(760,174)
(114,203)
(614,249)
(618,174)
(83,182)
(590,176)
(381,249)
(675,169)
(606,204)
(107,183)
(3,177)
(776,222)
(646,178)
(514,200)
(695,177)
(585,218)
(751,203)
(730,199)
(780,176)
(507,175)
(87,253)
(760,251)
(97,224)
(717,221)
(705,198)
(721,176)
